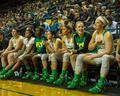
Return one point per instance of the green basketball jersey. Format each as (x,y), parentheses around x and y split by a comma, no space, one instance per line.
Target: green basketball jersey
(39,45)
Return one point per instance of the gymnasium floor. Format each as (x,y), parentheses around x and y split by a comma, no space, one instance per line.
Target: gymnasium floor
(15,88)
(19,88)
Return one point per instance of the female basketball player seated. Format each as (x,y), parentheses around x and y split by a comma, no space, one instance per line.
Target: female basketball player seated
(52,44)
(27,48)
(10,55)
(101,48)
(36,57)
(75,44)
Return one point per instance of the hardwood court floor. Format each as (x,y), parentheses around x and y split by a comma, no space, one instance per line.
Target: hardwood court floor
(15,88)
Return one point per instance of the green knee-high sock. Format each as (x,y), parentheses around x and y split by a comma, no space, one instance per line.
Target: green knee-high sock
(3,71)
(99,86)
(83,78)
(76,76)
(54,72)
(63,76)
(75,82)
(102,78)
(53,76)
(101,82)
(44,74)
(61,79)
(63,72)
(44,70)
(8,74)
(36,74)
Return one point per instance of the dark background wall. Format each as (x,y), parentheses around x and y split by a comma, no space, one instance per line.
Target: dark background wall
(6,4)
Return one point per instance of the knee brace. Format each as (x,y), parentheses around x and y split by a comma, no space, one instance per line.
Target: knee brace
(79,63)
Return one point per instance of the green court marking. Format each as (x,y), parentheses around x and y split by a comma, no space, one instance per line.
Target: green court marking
(16,92)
